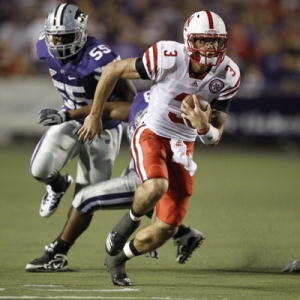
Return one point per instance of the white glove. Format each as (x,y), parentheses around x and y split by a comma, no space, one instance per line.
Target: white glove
(152,254)
(50,116)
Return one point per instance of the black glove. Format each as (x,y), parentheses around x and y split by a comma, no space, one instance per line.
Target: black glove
(49,116)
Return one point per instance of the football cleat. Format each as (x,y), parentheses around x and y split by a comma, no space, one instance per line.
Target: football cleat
(51,200)
(293,267)
(114,243)
(120,233)
(48,263)
(117,272)
(188,243)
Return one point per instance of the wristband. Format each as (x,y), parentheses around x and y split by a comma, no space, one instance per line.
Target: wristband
(67,114)
(203,131)
(211,136)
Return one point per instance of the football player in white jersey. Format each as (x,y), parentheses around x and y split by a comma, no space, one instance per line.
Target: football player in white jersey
(162,147)
(76,61)
(112,194)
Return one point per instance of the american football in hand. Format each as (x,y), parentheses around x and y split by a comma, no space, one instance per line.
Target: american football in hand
(203,104)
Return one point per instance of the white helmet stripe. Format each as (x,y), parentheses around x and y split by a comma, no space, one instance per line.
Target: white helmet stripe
(59,13)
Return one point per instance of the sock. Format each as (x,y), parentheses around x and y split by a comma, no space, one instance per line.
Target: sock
(126,226)
(60,246)
(134,216)
(59,183)
(121,258)
(182,230)
(130,251)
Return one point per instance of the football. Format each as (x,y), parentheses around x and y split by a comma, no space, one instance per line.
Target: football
(203,104)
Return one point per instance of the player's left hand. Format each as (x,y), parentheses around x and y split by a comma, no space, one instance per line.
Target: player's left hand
(50,116)
(92,126)
(152,254)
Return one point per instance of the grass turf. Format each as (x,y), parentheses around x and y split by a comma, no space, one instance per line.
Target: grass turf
(245,202)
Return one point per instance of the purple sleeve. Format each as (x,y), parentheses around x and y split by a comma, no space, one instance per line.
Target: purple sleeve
(41,48)
(139,103)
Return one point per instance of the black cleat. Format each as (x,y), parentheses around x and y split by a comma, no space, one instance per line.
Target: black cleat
(48,263)
(187,244)
(121,280)
(117,272)
(54,260)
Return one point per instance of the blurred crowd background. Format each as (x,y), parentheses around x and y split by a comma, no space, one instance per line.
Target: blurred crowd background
(263,35)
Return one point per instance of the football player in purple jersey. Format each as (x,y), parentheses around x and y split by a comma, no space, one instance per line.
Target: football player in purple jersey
(76,61)
(114,194)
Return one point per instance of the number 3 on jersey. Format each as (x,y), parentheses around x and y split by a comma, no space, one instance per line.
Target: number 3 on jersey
(167,53)
(172,116)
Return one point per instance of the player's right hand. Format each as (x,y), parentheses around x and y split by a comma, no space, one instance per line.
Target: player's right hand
(50,116)
(92,126)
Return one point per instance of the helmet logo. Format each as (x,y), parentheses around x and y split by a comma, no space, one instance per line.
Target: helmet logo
(188,21)
(80,16)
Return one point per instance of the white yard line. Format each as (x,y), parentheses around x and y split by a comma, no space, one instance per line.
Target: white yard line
(65,290)
(98,297)
(40,288)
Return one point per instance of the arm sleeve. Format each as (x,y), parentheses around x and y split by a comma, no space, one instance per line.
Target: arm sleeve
(141,68)
(220,105)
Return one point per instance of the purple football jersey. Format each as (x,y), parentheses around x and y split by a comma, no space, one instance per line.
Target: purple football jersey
(137,112)
(139,103)
(77,79)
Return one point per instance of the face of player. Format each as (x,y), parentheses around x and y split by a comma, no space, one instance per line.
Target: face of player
(207,47)
(63,39)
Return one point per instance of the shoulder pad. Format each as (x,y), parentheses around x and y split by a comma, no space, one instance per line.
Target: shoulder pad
(41,48)
(160,58)
(168,49)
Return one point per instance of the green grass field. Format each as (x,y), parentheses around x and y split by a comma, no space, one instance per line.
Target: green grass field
(246,202)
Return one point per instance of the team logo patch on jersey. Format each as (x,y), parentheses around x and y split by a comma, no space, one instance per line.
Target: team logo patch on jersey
(216,85)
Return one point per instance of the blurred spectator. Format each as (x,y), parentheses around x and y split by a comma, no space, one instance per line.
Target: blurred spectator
(12,45)
(263,34)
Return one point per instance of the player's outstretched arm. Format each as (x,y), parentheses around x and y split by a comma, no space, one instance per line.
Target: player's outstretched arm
(112,110)
(113,71)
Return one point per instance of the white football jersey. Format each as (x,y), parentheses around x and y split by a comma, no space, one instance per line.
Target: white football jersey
(167,65)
